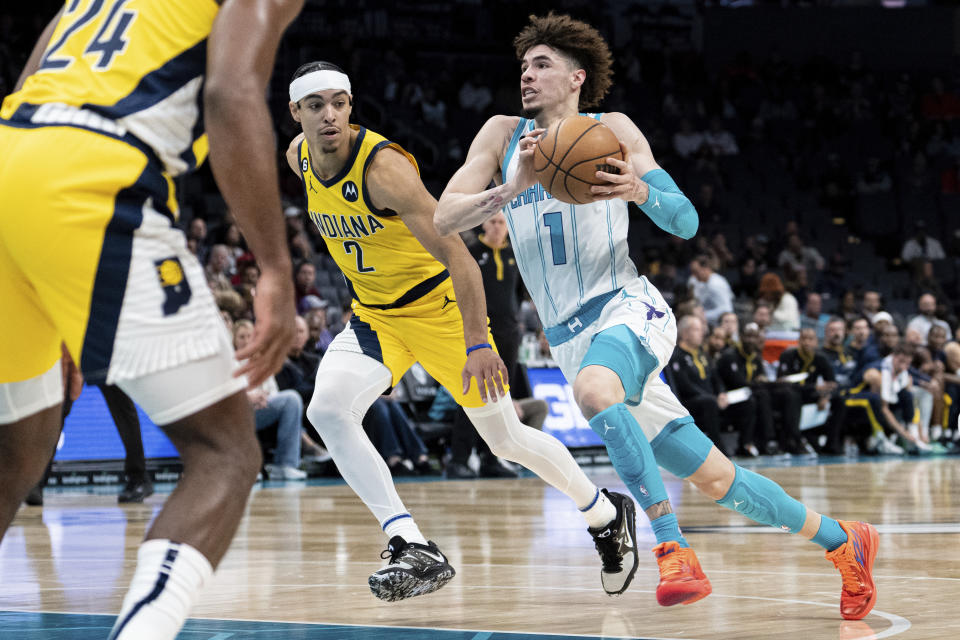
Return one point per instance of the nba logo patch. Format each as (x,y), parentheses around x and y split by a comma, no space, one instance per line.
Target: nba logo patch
(350,193)
(176,289)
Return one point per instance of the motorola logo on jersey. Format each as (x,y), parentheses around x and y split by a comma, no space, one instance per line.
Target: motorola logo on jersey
(350,192)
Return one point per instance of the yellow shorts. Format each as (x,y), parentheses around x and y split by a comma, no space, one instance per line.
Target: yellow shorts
(89,257)
(428,331)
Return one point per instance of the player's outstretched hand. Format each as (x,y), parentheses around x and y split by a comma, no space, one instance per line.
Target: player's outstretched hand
(625,185)
(525,175)
(491,374)
(274,330)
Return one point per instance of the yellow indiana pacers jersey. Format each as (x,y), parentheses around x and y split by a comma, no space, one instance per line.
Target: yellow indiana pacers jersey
(386,267)
(125,67)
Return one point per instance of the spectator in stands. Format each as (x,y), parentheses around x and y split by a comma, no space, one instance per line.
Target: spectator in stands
(725,257)
(709,208)
(474,94)
(813,316)
(320,334)
(762,315)
(710,289)
(731,325)
(798,257)
(758,248)
(218,268)
(888,337)
(434,109)
(272,406)
(832,282)
(921,246)
(819,383)
(197,232)
(716,343)
(872,305)
(924,280)
(695,381)
(231,238)
(889,377)
(927,306)
(741,366)
(395,439)
(861,347)
(304,276)
(686,141)
(299,373)
(874,178)
(847,306)
(785,312)
(719,140)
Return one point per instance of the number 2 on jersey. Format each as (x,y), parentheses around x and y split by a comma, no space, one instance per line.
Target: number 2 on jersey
(108,46)
(348,247)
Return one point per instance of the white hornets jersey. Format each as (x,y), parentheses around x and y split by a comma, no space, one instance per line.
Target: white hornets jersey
(567,254)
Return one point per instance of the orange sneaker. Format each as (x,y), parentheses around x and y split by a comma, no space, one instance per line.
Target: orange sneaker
(854,558)
(681,578)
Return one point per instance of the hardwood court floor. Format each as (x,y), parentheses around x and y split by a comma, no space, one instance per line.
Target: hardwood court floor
(525,564)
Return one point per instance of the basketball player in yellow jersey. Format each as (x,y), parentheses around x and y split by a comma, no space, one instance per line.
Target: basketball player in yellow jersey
(106,112)
(417,297)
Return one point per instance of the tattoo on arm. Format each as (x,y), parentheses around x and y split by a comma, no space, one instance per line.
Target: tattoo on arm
(658,510)
(491,203)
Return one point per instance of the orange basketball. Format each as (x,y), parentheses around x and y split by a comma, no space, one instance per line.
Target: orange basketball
(569,155)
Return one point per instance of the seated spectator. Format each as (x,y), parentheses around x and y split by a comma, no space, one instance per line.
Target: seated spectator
(813,316)
(887,336)
(785,312)
(320,335)
(395,439)
(797,256)
(762,315)
(218,269)
(921,246)
(741,366)
(719,140)
(861,347)
(874,178)
(696,383)
(710,289)
(731,326)
(686,141)
(749,280)
(820,384)
(272,406)
(871,305)
(889,378)
(299,373)
(926,318)
(304,276)
(197,233)
(715,344)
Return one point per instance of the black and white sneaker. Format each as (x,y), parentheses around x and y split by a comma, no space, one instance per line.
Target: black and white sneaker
(414,569)
(617,545)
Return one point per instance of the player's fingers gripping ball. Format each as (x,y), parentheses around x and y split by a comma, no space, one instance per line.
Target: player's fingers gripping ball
(569,155)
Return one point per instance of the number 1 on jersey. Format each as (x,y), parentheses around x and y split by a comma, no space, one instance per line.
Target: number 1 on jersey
(554,222)
(348,247)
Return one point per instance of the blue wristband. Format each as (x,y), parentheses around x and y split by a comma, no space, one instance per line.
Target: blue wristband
(482,345)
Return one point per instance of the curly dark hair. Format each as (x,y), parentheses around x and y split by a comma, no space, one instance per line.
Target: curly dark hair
(578,41)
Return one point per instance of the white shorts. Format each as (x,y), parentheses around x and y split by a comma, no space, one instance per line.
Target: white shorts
(637,307)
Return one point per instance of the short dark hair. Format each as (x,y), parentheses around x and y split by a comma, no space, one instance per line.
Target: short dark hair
(578,41)
(903,348)
(317,65)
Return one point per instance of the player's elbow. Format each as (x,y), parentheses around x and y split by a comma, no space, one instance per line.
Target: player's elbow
(686,223)
(443,224)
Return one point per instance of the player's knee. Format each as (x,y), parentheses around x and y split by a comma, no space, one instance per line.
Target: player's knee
(592,398)
(714,477)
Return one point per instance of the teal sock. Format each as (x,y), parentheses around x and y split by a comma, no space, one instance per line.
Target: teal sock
(666,528)
(830,535)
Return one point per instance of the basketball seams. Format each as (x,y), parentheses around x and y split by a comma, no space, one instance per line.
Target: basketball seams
(555,166)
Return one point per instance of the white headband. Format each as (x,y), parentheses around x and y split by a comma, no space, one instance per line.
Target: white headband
(318,81)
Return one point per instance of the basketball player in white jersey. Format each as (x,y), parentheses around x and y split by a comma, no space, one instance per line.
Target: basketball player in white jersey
(609,328)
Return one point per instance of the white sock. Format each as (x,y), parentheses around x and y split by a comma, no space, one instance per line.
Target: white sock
(403,525)
(168,577)
(600,513)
